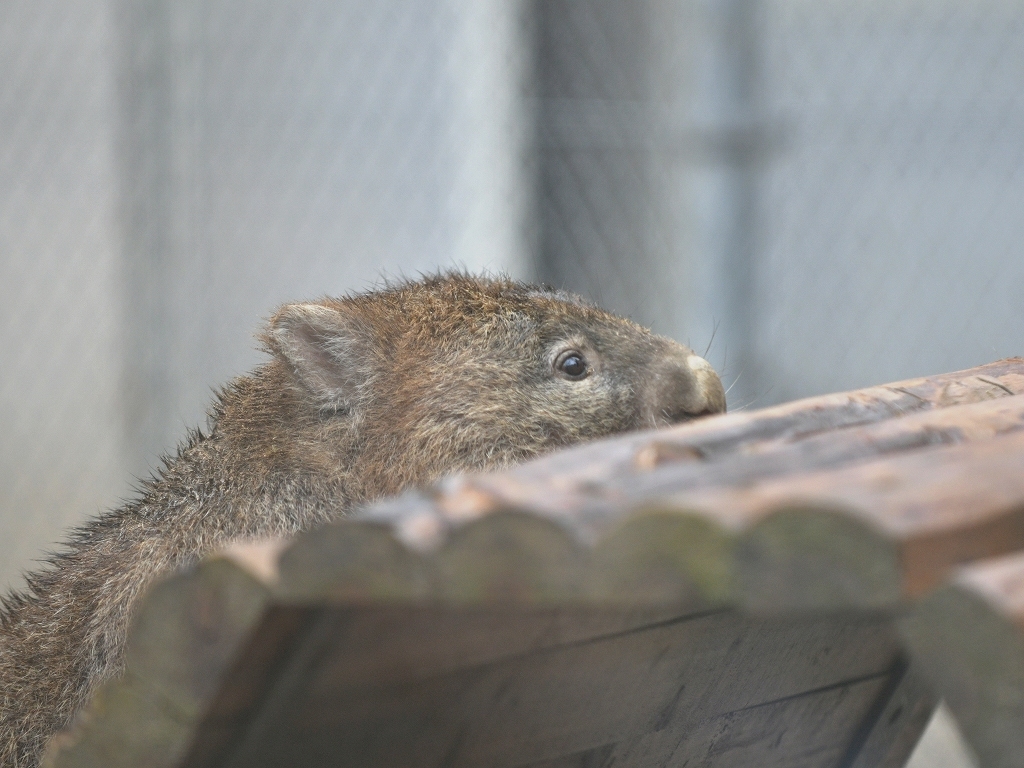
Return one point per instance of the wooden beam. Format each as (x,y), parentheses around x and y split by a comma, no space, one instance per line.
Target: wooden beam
(867,516)
(969,636)
(874,533)
(726,437)
(188,629)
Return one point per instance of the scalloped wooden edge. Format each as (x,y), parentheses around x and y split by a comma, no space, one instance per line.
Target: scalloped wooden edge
(847,538)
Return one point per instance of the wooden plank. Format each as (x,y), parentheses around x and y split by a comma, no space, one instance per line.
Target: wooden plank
(392,644)
(588,506)
(245,681)
(588,474)
(969,636)
(919,431)
(870,534)
(721,437)
(867,535)
(922,514)
(671,533)
(566,699)
(808,730)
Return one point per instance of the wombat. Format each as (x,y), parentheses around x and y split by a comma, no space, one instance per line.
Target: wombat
(363,397)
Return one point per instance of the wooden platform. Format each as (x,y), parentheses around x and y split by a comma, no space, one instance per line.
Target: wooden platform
(786,587)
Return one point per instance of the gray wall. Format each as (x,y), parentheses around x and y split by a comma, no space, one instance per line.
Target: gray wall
(892,214)
(275,150)
(833,189)
(61,327)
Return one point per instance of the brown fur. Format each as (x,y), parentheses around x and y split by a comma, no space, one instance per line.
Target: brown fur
(364,397)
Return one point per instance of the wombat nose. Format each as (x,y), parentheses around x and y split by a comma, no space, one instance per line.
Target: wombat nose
(683,386)
(708,384)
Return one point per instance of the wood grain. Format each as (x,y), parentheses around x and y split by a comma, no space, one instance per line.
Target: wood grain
(915,515)
(892,728)
(689,687)
(866,516)
(591,507)
(711,451)
(867,534)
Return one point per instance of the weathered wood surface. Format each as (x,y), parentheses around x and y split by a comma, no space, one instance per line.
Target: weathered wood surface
(858,500)
(533,617)
(644,692)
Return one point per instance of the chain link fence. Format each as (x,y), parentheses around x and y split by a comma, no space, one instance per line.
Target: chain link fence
(832,191)
(891,218)
(171,170)
(60,448)
(830,194)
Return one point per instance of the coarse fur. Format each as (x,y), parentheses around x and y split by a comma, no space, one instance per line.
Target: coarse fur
(363,397)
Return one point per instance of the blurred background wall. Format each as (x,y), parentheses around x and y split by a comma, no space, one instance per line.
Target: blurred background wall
(170,170)
(829,193)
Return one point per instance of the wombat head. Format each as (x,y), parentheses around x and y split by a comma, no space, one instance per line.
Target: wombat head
(455,373)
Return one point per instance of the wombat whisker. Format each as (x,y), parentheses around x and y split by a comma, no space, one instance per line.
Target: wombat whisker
(734,382)
(714,330)
(756,399)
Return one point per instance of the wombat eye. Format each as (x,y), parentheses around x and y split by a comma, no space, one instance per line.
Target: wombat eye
(572,364)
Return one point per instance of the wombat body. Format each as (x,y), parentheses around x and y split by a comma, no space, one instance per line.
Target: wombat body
(364,397)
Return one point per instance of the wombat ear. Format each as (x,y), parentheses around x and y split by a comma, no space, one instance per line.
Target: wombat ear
(324,348)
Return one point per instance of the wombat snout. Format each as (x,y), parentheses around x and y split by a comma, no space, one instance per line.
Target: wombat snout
(682,386)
